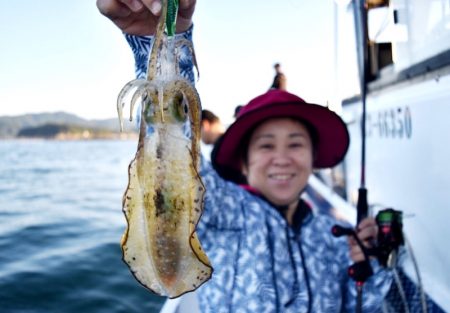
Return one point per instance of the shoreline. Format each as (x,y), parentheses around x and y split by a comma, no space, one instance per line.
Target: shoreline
(119,137)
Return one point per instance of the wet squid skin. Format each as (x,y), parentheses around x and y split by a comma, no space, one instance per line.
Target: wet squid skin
(164,198)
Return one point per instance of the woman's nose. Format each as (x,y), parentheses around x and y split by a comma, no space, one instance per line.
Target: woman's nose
(281,157)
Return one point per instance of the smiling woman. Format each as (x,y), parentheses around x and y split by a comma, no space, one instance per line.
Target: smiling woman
(283,139)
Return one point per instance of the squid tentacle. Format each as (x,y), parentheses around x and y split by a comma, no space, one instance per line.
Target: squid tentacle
(137,84)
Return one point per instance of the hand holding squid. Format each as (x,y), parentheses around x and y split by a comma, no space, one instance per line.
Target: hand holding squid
(140,17)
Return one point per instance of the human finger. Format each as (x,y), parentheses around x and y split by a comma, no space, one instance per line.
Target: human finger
(357,255)
(366,222)
(154,6)
(187,4)
(134,5)
(113,9)
(186,7)
(367,230)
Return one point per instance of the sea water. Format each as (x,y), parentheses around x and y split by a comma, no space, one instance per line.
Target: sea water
(61,222)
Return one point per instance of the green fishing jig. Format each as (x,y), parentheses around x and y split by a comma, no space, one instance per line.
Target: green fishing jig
(171,17)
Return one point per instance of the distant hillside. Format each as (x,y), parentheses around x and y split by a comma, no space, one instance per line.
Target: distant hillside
(11,126)
(70,132)
(44,131)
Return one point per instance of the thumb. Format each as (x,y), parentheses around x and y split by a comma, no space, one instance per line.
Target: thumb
(154,6)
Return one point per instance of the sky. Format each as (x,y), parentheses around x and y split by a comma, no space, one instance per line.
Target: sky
(65,56)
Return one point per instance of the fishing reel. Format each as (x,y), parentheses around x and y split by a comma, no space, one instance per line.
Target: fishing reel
(390,238)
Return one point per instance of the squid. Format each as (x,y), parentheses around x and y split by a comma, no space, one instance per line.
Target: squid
(164,198)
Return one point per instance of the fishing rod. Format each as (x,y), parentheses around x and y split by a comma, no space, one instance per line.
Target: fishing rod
(389,221)
(362,270)
(360,16)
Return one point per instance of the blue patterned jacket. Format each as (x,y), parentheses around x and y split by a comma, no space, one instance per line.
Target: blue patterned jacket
(261,264)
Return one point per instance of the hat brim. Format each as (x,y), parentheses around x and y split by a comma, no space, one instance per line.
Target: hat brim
(332,136)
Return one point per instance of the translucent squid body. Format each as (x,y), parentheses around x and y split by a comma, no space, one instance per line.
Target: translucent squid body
(164,198)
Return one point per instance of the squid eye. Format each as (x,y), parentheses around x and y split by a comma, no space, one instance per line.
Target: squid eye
(179,107)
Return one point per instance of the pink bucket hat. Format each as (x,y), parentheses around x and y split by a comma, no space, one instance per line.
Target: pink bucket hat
(329,130)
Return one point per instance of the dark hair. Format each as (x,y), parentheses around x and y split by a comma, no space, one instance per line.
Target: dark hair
(209,116)
(224,171)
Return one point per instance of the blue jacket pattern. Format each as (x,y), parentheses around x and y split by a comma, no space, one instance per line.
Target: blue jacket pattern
(261,264)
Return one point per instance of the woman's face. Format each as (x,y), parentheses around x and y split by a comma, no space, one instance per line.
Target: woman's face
(280,160)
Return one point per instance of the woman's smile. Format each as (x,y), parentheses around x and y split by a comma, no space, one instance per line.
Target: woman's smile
(281,178)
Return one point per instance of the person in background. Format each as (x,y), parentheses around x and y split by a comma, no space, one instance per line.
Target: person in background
(236,110)
(212,127)
(270,250)
(279,81)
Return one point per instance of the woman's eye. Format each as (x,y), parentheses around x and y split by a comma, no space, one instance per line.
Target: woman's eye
(263,146)
(266,146)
